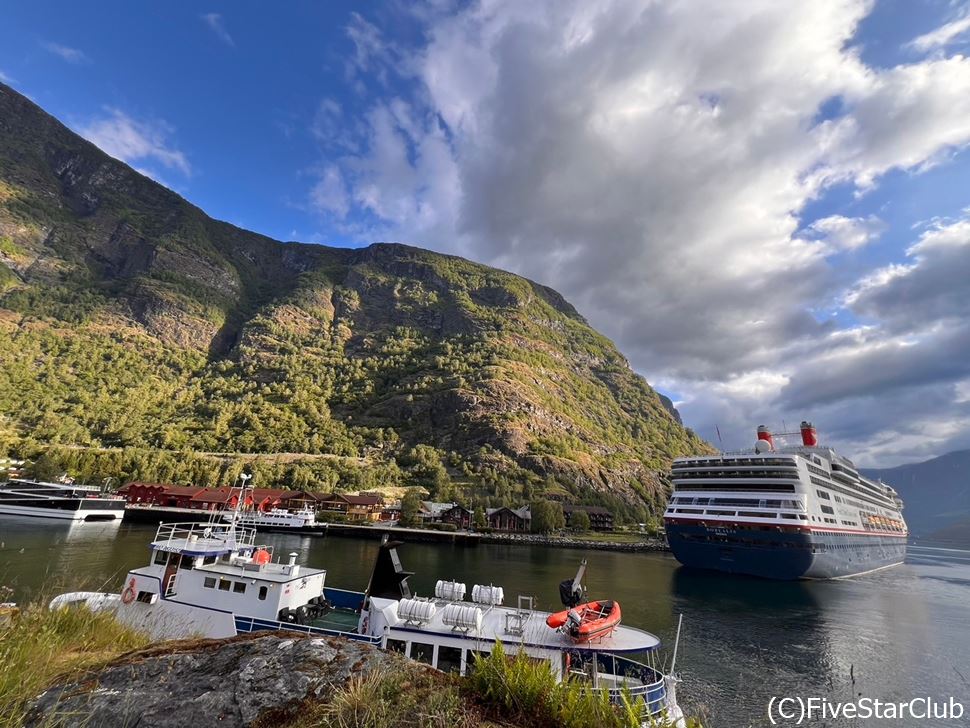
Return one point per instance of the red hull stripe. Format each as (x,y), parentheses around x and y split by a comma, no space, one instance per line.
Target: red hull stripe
(784,527)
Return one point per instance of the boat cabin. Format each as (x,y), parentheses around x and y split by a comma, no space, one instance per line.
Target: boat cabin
(221,567)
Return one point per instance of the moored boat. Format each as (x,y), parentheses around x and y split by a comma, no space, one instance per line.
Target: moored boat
(783,512)
(64,501)
(215,580)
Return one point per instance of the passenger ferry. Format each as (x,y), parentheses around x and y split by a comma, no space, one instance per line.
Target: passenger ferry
(59,500)
(276,518)
(785,512)
(215,580)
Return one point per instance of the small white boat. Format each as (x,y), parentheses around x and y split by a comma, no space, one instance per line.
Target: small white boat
(275,518)
(214,580)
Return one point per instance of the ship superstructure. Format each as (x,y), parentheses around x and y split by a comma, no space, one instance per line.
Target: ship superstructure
(783,512)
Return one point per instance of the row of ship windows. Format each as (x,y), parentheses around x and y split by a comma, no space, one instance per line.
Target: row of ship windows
(749,502)
(734,461)
(804,545)
(787,474)
(819,481)
(742,514)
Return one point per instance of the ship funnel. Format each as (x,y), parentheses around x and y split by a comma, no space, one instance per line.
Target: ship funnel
(809,436)
(765,434)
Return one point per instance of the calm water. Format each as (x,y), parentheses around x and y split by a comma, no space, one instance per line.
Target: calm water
(902,633)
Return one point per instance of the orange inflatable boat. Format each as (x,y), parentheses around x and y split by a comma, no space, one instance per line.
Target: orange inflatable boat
(589,621)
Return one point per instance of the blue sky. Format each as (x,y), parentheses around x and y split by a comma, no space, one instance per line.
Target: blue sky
(731,193)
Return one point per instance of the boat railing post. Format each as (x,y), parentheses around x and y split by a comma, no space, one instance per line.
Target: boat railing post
(673,661)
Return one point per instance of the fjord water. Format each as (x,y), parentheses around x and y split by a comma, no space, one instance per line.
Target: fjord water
(900,634)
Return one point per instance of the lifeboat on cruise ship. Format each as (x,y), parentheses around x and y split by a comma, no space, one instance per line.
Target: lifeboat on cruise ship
(589,621)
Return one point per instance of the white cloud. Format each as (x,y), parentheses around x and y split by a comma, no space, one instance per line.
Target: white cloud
(656,174)
(71,55)
(135,141)
(7,79)
(944,35)
(218,26)
(847,233)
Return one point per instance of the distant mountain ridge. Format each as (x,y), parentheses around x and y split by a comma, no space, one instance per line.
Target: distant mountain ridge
(936,492)
(132,320)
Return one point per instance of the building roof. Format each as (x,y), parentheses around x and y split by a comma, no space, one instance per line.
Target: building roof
(353,500)
(522,512)
(436,509)
(143,484)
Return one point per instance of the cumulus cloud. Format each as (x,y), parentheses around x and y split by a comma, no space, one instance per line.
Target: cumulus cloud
(847,233)
(71,55)
(135,141)
(216,24)
(657,175)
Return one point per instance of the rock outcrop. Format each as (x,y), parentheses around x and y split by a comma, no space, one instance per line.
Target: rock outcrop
(260,679)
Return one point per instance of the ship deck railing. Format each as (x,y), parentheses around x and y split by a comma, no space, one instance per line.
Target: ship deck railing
(626,681)
(252,624)
(203,537)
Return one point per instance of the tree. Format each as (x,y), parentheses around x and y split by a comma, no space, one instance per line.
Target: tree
(547,516)
(410,507)
(579,521)
(478,519)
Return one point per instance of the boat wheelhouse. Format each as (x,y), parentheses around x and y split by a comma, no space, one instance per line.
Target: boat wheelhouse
(216,580)
(59,500)
(783,512)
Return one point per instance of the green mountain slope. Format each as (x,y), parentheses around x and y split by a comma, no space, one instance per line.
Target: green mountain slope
(130,319)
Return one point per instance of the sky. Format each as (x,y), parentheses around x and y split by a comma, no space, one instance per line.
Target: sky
(765,204)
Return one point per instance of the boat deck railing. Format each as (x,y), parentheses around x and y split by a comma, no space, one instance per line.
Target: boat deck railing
(203,537)
(251,624)
(628,680)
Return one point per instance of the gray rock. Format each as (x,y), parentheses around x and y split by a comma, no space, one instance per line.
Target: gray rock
(199,683)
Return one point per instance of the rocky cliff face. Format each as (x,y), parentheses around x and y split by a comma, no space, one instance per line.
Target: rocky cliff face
(134,320)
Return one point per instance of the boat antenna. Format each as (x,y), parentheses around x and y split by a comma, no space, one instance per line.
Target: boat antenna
(244,477)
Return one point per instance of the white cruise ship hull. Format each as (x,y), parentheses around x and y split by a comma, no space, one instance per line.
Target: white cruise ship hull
(67,512)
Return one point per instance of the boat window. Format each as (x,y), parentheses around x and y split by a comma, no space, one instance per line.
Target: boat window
(145,596)
(186,562)
(207,560)
(822,494)
(472,657)
(262,592)
(396,645)
(224,584)
(210,582)
(421,652)
(239,587)
(161,558)
(827,509)
(449,659)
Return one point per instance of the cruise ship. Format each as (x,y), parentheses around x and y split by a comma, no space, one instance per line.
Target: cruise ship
(783,512)
(59,500)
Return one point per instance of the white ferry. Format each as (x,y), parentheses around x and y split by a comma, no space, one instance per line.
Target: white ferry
(215,580)
(275,518)
(59,500)
(785,512)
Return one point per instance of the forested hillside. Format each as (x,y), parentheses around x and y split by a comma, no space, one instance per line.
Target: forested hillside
(141,338)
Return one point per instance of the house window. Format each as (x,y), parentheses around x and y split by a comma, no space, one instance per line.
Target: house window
(210,582)
(224,584)
(239,587)
(262,592)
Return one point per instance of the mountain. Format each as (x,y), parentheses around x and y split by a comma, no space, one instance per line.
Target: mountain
(133,323)
(936,492)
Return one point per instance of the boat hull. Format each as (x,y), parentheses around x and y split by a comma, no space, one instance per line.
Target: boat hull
(69,512)
(783,555)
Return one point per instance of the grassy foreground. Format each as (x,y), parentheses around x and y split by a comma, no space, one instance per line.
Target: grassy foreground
(40,647)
